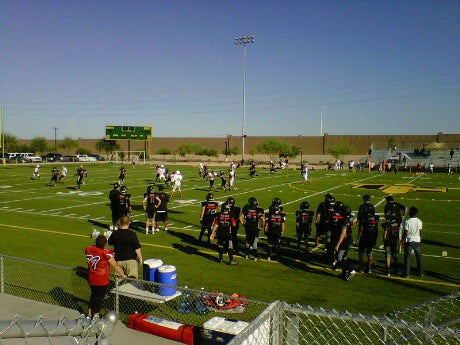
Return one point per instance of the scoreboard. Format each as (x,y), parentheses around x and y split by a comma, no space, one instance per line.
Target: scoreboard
(128,133)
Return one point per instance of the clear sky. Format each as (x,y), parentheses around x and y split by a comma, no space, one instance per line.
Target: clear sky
(370,67)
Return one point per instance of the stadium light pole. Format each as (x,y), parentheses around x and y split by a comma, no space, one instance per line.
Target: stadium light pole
(321,121)
(244,40)
(55,146)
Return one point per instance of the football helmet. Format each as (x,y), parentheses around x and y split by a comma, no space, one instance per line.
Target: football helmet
(225,207)
(231,201)
(209,196)
(276,201)
(366,197)
(252,201)
(338,205)
(304,205)
(124,189)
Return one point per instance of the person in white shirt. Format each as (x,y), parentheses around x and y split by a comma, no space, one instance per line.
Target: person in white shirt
(411,239)
(176,181)
(36,174)
(63,174)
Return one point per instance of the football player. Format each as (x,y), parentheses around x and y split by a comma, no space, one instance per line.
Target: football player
(121,176)
(394,215)
(114,197)
(344,241)
(235,213)
(304,220)
(322,218)
(36,174)
(367,238)
(81,173)
(253,219)
(63,174)
(222,230)
(274,227)
(150,204)
(176,181)
(54,176)
(124,202)
(207,216)
(162,211)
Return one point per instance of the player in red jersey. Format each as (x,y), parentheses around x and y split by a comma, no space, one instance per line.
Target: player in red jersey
(99,260)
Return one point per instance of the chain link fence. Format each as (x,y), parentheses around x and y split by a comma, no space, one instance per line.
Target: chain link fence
(281,323)
(433,322)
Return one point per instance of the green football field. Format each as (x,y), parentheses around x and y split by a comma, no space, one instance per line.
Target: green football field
(54,225)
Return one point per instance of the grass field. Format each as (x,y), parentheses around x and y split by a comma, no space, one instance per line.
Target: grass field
(54,225)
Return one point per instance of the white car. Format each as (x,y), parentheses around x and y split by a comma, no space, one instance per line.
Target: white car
(30,157)
(84,158)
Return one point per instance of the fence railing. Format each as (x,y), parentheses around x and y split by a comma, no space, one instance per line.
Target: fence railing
(433,322)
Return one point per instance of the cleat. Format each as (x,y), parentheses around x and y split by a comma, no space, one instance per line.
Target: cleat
(351,274)
(233,262)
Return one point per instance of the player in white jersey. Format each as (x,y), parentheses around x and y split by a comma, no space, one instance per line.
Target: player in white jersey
(176,181)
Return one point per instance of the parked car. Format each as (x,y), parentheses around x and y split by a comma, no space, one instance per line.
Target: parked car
(84,158)
(29,158)
(52,157)
(68,159)
(98,158)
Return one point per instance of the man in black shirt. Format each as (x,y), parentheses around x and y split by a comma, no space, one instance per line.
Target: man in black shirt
(127,248)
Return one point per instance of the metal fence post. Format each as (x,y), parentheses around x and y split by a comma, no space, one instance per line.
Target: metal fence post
(117,295)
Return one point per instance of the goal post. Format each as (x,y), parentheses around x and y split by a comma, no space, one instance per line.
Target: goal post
(132,157)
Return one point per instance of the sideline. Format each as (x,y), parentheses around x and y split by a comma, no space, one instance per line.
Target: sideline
(324,269)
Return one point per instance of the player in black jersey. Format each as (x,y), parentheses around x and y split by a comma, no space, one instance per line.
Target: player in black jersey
(394,215)
(274,228)
(304,220)
(334,230)
(344,241)
(121,176)
(124,202)
(161,214)
(54,176)
(222,231)
(81,173)
(322,218)
(207,216)
(114,197)
(252,217)
(367,237)
(150,203)
(235,213)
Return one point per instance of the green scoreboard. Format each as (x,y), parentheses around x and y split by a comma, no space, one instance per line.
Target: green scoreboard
(128,133)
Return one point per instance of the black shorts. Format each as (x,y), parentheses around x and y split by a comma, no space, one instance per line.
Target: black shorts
(161,216)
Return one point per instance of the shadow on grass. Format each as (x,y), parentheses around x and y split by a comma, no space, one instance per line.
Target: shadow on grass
(439,244)
(191,246)
(97,223)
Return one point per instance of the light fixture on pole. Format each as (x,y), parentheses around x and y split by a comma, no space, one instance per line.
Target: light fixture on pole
(55,146)
(244,40)
(321,121)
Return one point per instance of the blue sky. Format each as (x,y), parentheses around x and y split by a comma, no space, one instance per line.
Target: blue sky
(373,67)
